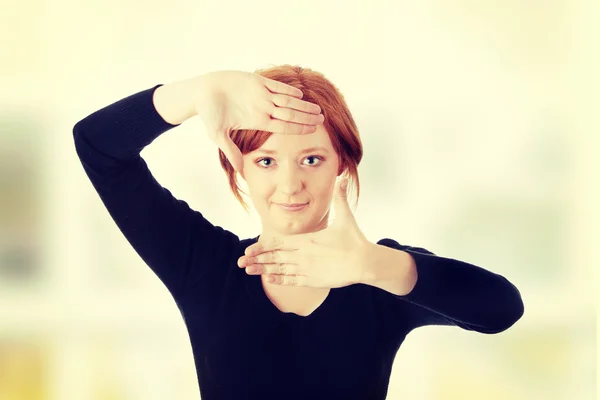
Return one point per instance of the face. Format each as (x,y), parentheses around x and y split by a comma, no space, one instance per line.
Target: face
(292,169)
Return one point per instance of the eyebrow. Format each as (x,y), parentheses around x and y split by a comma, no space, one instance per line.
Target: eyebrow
(308,150)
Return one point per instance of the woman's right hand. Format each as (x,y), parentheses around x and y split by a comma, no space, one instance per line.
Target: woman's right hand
(233,100)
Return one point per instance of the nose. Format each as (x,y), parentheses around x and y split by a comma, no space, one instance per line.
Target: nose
(290,179)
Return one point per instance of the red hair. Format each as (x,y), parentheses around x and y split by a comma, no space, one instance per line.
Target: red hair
(339,124)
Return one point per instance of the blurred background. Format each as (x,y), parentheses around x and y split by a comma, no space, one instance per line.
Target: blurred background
(477,119)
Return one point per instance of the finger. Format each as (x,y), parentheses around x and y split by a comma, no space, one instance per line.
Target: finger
(280,87)
(281,100)
(340,202)
(299,117)
(285,243)
(289,128)
(273,269)
(287,280)
(274,243)
(273,257)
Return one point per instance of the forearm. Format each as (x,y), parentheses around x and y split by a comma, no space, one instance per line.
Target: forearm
(391,270)
(468,295)
(120,130)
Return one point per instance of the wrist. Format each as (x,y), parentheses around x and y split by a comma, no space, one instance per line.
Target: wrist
(176,102)
(200,92)
(390,269)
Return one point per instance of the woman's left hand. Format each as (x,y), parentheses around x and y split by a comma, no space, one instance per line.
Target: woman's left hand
(334,257)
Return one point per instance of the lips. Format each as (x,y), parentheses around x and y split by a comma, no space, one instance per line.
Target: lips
(292,207)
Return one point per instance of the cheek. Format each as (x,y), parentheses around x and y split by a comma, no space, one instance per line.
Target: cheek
(256,186)
(323,189)
(261,193)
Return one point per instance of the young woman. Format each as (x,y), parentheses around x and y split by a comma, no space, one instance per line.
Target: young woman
(310,308)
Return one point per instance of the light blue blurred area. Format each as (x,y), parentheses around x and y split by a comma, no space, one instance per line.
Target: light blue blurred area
(476,119)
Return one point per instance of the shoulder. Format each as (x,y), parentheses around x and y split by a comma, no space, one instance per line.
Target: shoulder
(395,245)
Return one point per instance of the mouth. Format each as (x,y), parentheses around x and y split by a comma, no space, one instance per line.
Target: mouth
(292,207)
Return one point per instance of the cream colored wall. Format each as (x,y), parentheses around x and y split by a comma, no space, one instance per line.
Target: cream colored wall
(476,117)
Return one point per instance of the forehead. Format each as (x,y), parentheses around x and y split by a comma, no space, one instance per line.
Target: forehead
(295,143)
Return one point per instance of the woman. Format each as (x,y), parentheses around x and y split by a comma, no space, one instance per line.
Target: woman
(308,309)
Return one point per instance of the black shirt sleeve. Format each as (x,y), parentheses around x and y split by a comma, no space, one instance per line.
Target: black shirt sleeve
(176,242)
(453,292)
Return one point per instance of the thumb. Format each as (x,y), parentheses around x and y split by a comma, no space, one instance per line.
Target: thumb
(342,190)
(233,153)
(340,200)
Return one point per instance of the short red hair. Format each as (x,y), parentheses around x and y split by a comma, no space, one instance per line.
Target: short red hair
(339,123)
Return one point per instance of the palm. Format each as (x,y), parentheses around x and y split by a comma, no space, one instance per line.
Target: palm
(242,100)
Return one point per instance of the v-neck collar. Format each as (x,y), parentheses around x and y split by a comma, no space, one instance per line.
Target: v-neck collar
(257,292)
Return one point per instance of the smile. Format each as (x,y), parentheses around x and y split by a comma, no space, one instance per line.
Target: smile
(293,208)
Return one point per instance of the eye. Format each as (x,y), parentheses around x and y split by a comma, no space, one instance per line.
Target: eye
(315,158)
(263,159)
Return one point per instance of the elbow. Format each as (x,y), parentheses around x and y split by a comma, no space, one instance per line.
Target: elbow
(511,311)
(77,133)
(511,318)
(77,129)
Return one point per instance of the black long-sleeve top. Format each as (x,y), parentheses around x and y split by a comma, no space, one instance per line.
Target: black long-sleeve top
(244,347)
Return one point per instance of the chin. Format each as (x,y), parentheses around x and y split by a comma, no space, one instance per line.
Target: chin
(291,227)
